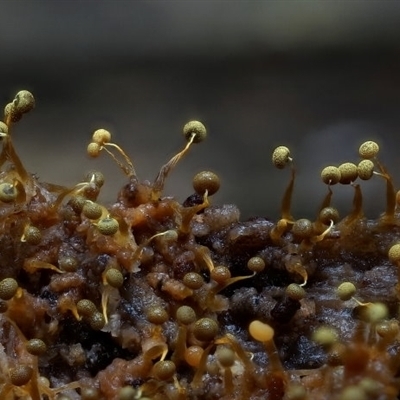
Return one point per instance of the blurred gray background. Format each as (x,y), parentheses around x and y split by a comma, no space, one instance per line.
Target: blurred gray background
(320,77)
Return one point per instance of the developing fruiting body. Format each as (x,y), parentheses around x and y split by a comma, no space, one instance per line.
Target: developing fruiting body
(261,332)
(193,355)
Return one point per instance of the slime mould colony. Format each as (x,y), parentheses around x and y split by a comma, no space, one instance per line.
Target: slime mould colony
(153,299)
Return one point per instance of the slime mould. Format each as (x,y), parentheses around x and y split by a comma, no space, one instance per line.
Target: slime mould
(150,298)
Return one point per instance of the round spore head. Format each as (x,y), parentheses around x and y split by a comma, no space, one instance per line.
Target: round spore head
(86,307)
(68,263)
(101,136)
(328,214)
(281,157)
(36,347)
(24,101)
(157,315)
(302,228)
(195,128)
(206,180)
(220,274)
(205,329)
(8,288)
(295,292)
(114,277)
(345,291)
(32,235)
(368,149)
(93,149)
(127,393)
(256,264)
(365,169)
(330,175)
(97,321)
(225,356)
(193,280)
(92,210)
(348,173)
(21,375)
(394,253)
(164,370)
(108,226)
(185,315)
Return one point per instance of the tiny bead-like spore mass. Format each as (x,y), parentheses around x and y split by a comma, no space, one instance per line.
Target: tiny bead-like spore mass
(281,157)
(331,175)
(205,329)
(368,149)
(8,288)
(206,180)
(195,129)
